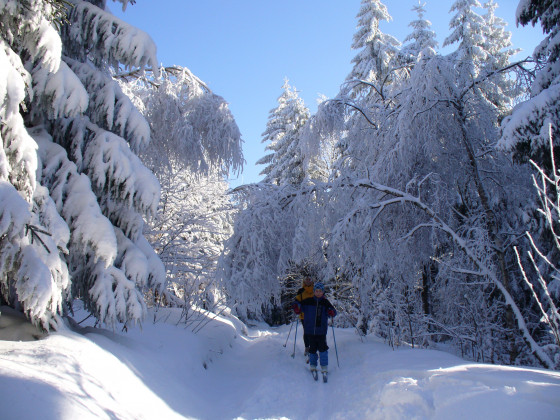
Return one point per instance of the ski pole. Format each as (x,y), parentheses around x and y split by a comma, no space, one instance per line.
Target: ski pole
(286,343)
(295,339)
(335,349)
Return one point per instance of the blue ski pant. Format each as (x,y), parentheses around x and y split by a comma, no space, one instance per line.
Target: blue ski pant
(318,343)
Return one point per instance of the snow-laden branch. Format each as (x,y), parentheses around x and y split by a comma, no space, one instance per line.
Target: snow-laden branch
(400,196)
(553,320)
(169,70)
(378,90)
(490,74)
(356,107)
(108,37)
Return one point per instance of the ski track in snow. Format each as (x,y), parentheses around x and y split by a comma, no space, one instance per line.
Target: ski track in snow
(164,371)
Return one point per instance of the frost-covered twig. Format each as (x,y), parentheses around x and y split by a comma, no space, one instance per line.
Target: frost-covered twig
(551,322)
(551,211)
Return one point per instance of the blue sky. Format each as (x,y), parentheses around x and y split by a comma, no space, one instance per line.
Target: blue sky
(244,49)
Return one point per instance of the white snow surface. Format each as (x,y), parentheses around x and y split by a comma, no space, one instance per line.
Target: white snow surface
(158,372)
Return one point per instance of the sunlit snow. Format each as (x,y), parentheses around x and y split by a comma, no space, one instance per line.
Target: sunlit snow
(228,371)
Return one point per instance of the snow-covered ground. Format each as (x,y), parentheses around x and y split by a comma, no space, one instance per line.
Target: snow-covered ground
(164,371)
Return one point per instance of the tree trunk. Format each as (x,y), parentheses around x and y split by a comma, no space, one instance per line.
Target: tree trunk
(492,228)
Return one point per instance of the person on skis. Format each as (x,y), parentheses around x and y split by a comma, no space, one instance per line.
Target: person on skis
(305,292)
(316,311)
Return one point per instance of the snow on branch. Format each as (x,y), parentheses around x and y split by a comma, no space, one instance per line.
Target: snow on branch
(400,196)
(175,71)
(550,209)
(13,217)
(488,75)
(115,268)
(189,123)
(525,123)
(110,108)
(18,160)
(38,275)
(108,38)
(92,233)
(62,92)
(119,173)
(353,105)
(116,297)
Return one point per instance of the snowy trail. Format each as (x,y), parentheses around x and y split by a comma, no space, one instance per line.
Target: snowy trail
(254,376)
(167,372)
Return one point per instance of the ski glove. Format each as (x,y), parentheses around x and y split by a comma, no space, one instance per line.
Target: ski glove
(330,313)
(296,308)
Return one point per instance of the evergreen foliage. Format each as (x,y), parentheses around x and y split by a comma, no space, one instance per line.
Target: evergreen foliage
(69,166)
(285,162)
(421,36)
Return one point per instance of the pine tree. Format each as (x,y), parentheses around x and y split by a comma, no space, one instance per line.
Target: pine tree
(526,132)
(283,130)
(373,81)
(498,39)
(377,50)
(319,138)
(501,89)
(484,50)
(468,31)
(69,141)
(421,36)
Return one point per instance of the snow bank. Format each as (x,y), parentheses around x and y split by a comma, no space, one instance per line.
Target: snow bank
(164,371)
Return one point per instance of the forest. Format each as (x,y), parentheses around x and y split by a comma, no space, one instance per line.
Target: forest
(425,194)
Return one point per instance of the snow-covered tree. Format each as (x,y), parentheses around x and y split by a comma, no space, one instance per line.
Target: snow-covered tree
(484,48)
(526,132)
(194,219)
(501,89)
(69,138)
(191,125)
(432,134)
(421,37)
(259,250)
(375,79)
(376,50)
(195,142)
(283,130)
(468,30)
(319,138)
(498,39)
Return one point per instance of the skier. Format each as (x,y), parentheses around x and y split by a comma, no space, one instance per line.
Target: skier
(316,311)
(305,292)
